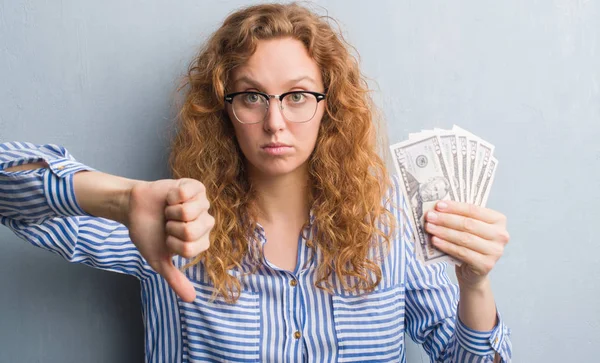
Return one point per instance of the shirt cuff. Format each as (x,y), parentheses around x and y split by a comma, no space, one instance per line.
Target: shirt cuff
(59,187)
(484,343)
(50,189)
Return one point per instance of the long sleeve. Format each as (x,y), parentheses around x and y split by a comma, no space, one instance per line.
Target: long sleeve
(432,315)
(39,206)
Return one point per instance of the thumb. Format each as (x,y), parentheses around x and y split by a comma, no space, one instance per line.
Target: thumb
(185,189)
(177,281)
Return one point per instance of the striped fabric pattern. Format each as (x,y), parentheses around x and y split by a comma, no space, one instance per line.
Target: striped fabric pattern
(280,316)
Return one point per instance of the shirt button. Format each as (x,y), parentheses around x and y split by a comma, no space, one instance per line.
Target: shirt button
(294,282)
(297,335)
(60,167)
(496,340)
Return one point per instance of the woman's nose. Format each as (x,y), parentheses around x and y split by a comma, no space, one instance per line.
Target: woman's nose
(274,120)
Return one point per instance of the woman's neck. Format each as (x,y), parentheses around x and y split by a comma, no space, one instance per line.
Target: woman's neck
(282,199)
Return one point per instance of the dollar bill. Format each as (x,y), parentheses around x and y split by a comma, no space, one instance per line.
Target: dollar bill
(472,149)
(437,165)
(490,173)
(484,154)
(425,179)
(450,149)
(463,162)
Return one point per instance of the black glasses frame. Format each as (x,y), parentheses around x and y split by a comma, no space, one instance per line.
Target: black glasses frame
(229,97)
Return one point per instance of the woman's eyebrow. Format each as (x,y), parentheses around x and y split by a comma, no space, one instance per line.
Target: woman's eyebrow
(257,84)
(302,78)
(249,81)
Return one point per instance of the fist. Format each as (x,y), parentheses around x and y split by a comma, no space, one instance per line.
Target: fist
(168,217)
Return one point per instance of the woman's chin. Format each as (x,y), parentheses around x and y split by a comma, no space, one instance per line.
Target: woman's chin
(277,171)
(278,168)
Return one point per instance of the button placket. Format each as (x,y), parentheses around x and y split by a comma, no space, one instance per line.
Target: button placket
(294,308)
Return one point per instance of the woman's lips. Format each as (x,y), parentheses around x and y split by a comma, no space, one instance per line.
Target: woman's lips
(277,150)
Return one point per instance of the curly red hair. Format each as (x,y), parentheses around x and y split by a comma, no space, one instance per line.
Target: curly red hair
(348,179)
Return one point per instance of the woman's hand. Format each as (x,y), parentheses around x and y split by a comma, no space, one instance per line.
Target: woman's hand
(168,217)
(474,235)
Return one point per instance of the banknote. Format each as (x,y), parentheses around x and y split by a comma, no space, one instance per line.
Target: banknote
(483,153)
(425,179)
(488,180)
(450,150)
(472,151)
(438,165)
(463,162)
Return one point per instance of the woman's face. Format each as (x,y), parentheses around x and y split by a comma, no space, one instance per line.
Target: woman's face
(277,66)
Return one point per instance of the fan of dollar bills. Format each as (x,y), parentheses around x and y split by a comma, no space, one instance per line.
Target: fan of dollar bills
(438,165)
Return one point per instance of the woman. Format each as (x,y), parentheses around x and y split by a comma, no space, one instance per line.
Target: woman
(281,235)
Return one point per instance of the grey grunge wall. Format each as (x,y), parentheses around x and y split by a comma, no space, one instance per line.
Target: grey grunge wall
(99,78)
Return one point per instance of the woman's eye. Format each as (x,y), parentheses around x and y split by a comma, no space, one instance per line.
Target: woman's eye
(297,97)
(252,98)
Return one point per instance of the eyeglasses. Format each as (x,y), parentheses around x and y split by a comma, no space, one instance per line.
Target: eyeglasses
(296,106)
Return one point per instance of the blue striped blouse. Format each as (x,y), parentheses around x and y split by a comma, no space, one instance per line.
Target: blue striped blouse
(280,316)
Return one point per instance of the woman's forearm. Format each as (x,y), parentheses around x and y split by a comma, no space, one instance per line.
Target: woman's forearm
(103,195)
(99,194)
(477,308)
(29,166)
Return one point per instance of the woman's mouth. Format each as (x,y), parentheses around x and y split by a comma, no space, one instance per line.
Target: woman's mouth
(276,149)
